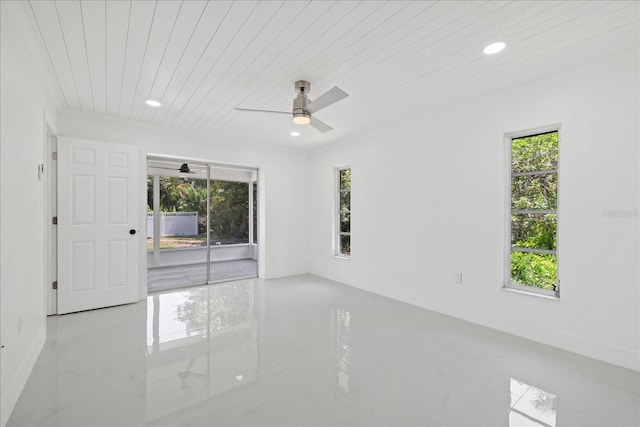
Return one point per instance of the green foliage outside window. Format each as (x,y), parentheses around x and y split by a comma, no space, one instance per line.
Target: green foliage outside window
(345,179)
(535,193)
(537,270)
(344,233)
(255,212)
(229,205)
(230,211)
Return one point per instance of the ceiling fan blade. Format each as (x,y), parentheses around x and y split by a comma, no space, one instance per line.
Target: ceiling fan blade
(320,125)
(251,110)
(334,94)
(169,169)
(172,169)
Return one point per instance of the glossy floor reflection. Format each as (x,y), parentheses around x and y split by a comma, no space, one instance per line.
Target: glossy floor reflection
(308,351)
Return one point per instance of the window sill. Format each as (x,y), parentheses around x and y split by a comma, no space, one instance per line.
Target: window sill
(533,294)
(342,257)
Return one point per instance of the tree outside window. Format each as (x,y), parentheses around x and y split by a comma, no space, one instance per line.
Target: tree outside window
(533,212)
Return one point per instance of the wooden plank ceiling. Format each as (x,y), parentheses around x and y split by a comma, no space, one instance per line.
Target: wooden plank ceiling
(395,58)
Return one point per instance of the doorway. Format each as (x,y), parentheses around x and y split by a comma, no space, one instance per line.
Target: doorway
(201,223)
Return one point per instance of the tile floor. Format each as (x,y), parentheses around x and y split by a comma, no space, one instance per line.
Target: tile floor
(307,351)
(159,278)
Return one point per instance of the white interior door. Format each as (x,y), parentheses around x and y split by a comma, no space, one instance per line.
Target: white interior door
(98,227)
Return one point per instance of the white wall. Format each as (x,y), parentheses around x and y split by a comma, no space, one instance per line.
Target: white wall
(282,182)
(428,200)
(23,106)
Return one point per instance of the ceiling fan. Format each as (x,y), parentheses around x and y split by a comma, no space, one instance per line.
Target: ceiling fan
(182,169)
(303,108)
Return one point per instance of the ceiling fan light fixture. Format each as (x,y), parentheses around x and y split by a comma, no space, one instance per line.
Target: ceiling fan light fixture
(301,118)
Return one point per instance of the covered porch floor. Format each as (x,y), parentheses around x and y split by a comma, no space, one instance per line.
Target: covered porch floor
(171,277)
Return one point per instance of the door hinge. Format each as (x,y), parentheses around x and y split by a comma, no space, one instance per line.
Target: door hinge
(55,220)
(55,285)
(54,155)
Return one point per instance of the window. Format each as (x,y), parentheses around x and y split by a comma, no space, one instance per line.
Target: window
(343,217)
(255,212)
(533,214)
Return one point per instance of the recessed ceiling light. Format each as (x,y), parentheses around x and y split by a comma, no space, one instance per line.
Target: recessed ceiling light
(494,48)
(295,133)
(153,103)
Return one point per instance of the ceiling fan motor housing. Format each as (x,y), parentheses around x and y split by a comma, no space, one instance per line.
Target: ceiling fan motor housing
(300,103)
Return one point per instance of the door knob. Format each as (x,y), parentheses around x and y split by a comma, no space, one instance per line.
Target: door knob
(132,231)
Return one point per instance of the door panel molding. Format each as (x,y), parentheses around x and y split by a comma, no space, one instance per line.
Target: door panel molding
(98,259)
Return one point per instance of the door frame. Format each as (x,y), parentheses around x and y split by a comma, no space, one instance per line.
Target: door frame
(50,190)
(257,250)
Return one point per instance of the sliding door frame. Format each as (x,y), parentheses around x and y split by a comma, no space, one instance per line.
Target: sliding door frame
(255,178)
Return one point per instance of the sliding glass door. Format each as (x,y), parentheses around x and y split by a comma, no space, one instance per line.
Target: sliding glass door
(201,223)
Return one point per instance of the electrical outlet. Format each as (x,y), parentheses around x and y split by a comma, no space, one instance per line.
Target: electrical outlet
(458,278)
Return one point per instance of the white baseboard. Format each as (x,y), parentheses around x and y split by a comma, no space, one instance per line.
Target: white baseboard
(622,357)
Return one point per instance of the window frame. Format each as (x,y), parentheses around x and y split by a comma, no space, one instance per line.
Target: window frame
(254,212)
(508,249)
(337,212)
